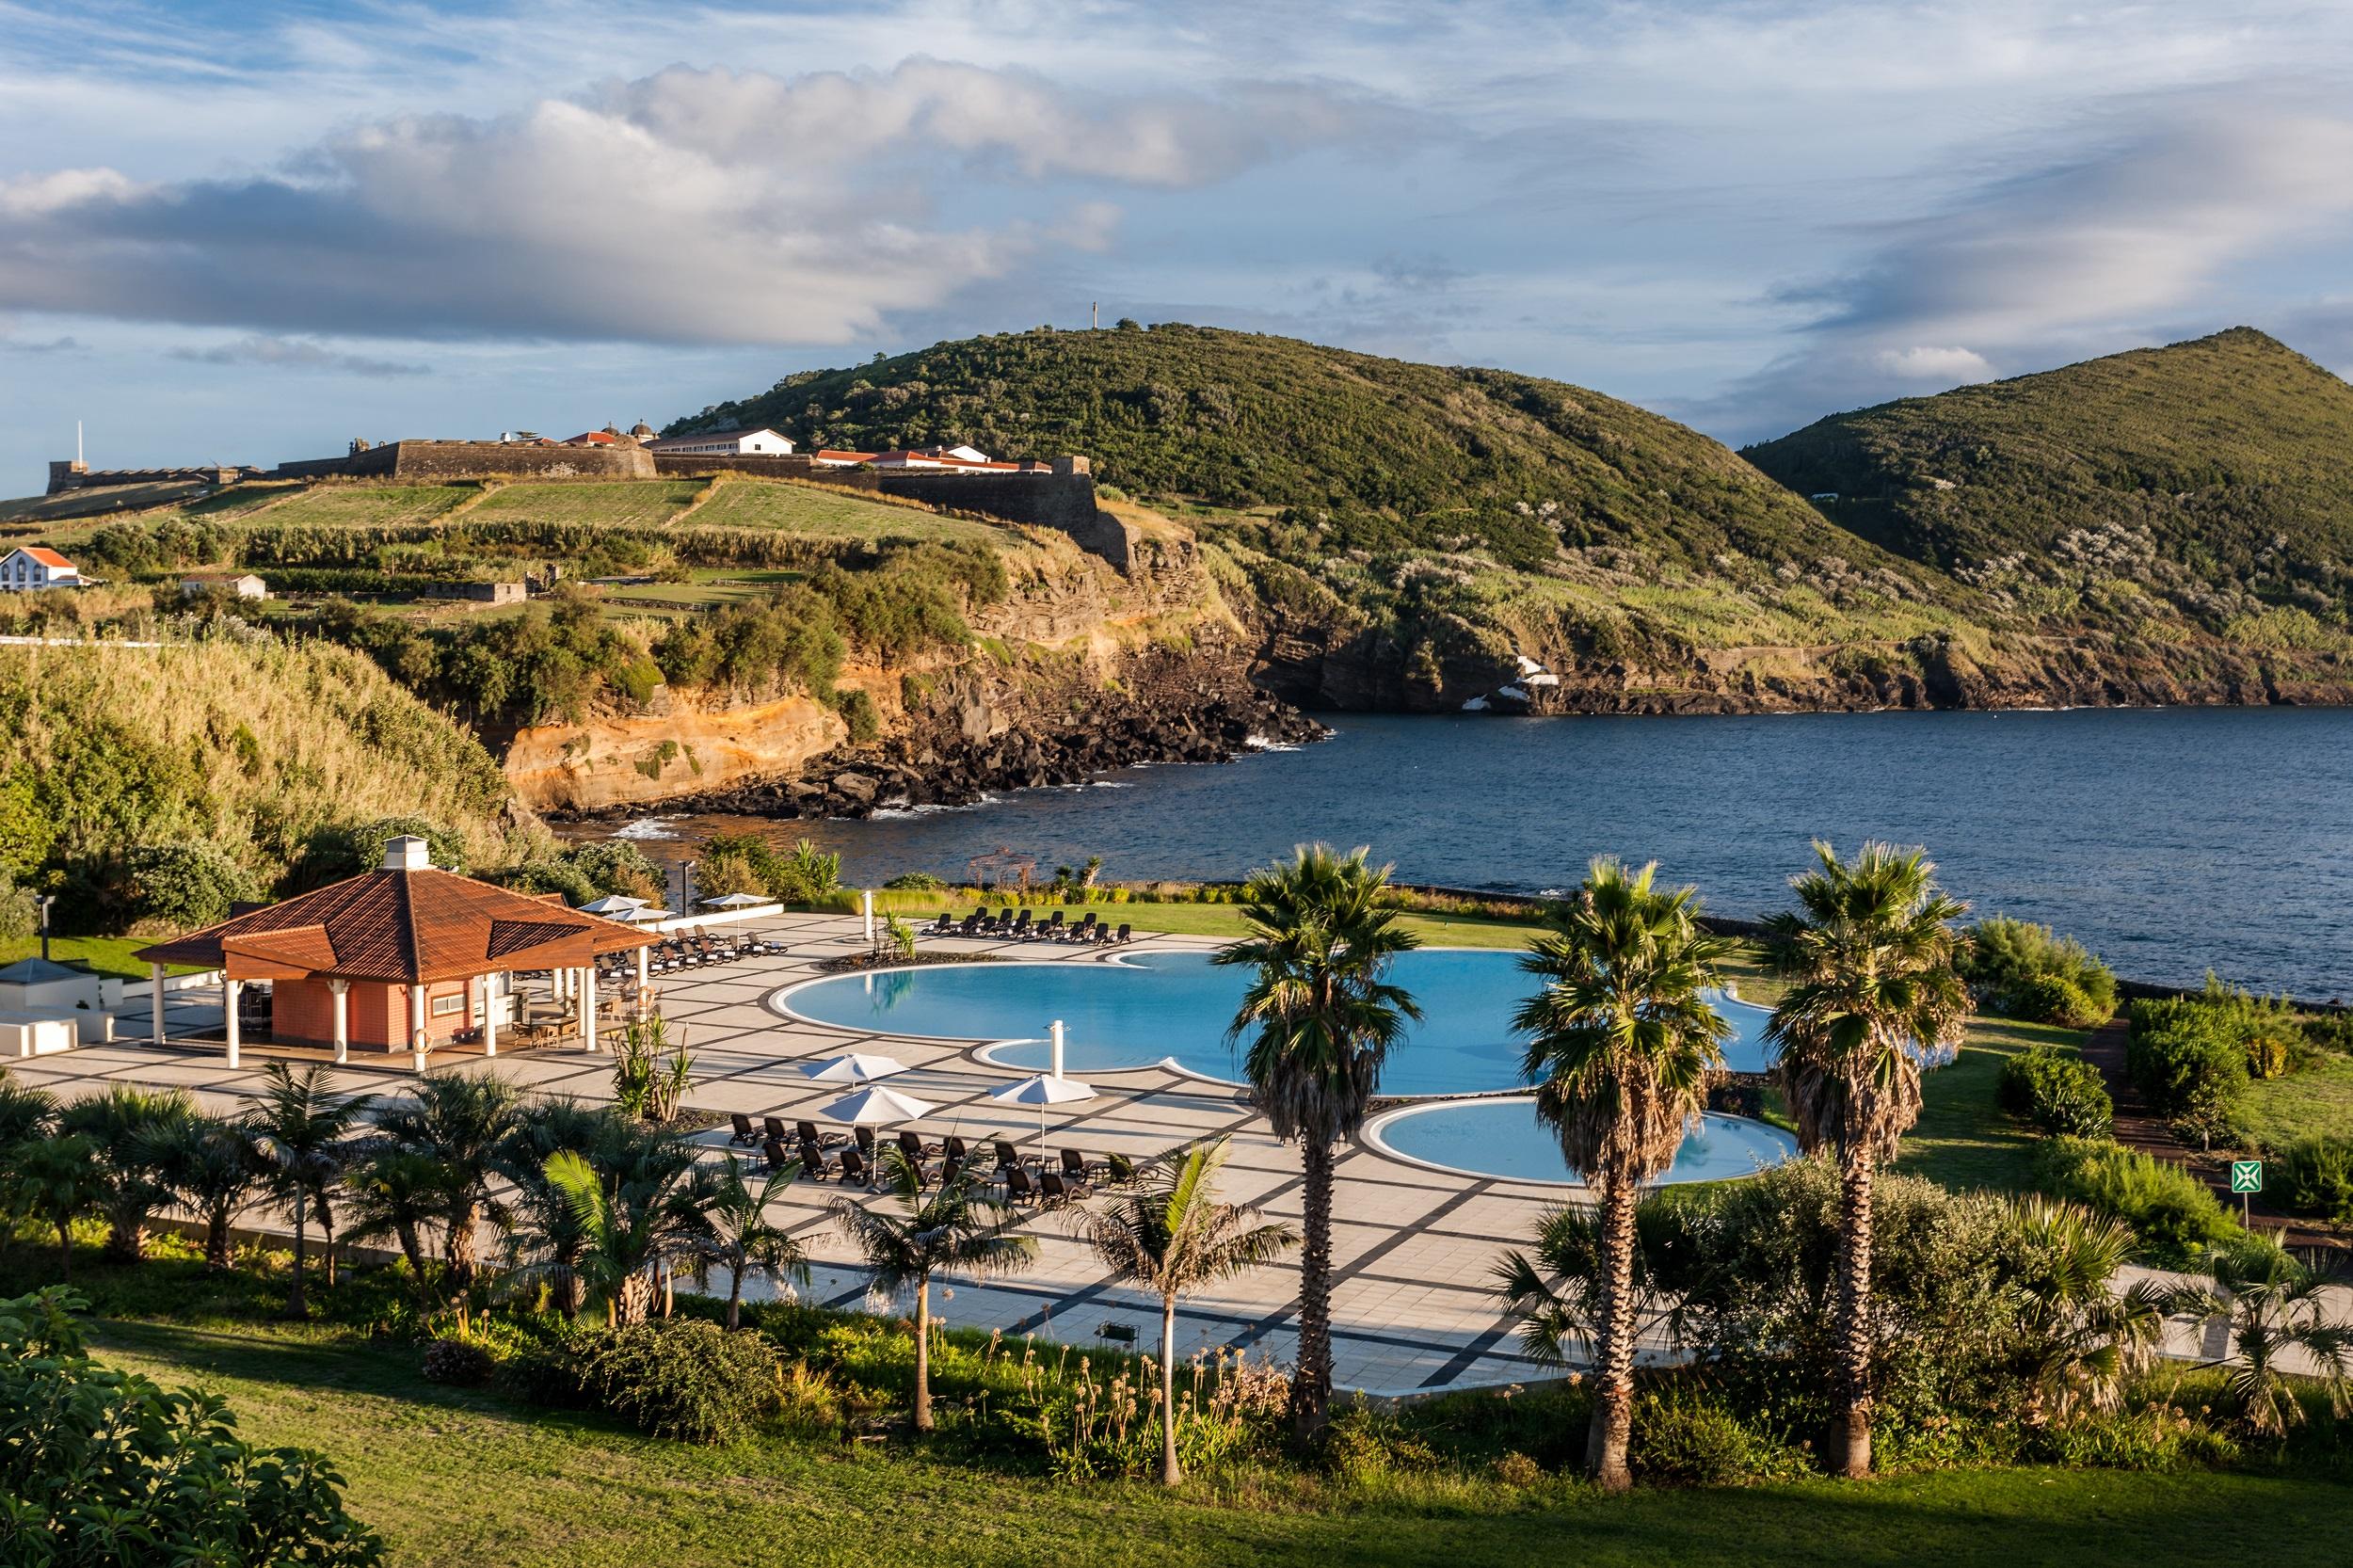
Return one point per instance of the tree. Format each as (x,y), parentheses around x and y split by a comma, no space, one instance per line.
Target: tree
(1320,1020)
(127,1127)
(2081,1336)
(58,1180)
(737,1234)
(209,1165)
(918,1235)
(460,1121)
(1624,1046)
(1168,1233)
(396,1192)
(25,1114)
(634,1214)
(545,1238)
(2275,1304)
(1869,956)
(298,1129)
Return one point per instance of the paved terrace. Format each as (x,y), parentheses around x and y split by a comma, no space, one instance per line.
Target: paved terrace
(1413,1248)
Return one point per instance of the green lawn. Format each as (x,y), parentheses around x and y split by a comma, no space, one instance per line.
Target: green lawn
(617,502)
(2318,1102)
(1963,1139)
(357,505)
(107,954)
(468,1479)
(1207,920)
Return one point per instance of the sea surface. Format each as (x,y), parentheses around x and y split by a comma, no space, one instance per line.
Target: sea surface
(2170,841)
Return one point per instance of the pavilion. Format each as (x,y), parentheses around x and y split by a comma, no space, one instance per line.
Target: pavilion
(403,958)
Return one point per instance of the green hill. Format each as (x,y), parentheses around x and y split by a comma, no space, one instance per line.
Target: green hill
(2211,480)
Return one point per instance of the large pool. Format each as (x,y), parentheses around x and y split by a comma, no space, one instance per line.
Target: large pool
(1148,1007)
(1503,1137)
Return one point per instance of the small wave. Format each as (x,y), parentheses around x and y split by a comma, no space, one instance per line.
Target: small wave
(648,828)
(1109,784)
(1259,743)
(902,811)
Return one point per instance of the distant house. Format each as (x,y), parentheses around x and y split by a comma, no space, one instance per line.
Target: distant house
(725,443)
(956,459)
(594,438)
(30,566)
(826,457)
(244,585)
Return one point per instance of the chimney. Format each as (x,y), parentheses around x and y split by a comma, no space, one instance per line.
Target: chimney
(407,853)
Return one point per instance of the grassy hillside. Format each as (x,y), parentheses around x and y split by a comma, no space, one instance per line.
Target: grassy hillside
(2211,480)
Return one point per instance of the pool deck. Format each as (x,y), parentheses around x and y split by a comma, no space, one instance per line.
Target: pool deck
(1412,1247)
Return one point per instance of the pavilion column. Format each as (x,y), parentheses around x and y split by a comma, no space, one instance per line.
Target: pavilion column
(229,990)
(155,995)
(645,978)
(489,1013)
(416,1023)
(586,980)
(341,991)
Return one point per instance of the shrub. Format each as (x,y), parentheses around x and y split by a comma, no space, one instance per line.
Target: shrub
(2184,1057)
(2160,1439)
(2024,972)
(2316,1176)
(1686,1437)
(1517,1469)
(1363,1445)
(2053,998)
(2172,1212)
(185,886)
(2059,1092)
(915,882)
(858,713)
(686,1379)
(460,1363)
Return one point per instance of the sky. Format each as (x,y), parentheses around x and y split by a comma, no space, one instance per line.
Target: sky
(249,232)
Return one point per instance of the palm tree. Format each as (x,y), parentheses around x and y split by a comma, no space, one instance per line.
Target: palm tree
(1167,1232)
(57,1179)
(298,1129)
(396,1192)
(26,1114)
(737,1234)
(461,1122)
(1321,1022)
(209,1165)
(919,1235)
(126,1126)
(2082,1337)
(2275,1304)
(634,1214)
(545,1238)
(1869,956)
(1624,1048)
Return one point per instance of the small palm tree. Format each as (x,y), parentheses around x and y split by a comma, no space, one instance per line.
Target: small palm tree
(545,1238)
(1167,1233)
(634,1215)
(461,1122)
(955,1226)
(26,1114)
(1869,956)
(126,1126)
(299,1129)
(737,1234)
(2082,1337)
(2276,1306)
(209,1164)
(58,1180)
(396,1192)
(1624,1046)
(1320,1020)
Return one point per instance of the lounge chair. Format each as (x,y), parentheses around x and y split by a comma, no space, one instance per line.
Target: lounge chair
(808,1134)
(1052,929)
(1126,931)
(1018,1187)
(911,1143)
(943,925)
(971,926)
(1084,930)
(854,1168)
(813,1164)
(865,1136)
(773,1127)
(1020,930)
(744,1136)
(1006,1158)
(954,1147)
(1122,1169)
(1053,1187)
(1075,1165)
(774,1156)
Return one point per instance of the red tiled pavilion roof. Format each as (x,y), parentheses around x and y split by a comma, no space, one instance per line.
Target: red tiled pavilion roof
(400,927)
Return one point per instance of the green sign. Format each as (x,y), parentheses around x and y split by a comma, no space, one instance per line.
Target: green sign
(2247,1175)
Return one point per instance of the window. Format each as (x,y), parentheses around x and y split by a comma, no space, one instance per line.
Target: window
(446,1006)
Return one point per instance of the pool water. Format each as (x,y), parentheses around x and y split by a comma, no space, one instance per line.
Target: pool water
(1152,1006)
(1503,1137)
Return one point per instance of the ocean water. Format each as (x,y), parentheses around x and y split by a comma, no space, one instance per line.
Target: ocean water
(2171,840)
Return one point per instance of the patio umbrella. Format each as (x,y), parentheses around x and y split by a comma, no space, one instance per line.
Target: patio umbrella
(617,904)
(736,900)
(633,916)
(873,1105)
(1042,1090)
(856,1067)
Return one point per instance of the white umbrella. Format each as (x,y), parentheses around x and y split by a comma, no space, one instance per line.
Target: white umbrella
(856,1067)
(613,904)
(634,916)
(736,900)
(873,1105)
(1042,1090)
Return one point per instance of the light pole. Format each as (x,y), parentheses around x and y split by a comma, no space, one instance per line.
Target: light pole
(46,900)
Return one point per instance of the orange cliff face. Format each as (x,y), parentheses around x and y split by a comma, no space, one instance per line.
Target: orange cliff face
(680,745)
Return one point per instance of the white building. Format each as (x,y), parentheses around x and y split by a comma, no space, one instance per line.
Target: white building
(32,566)
(725,443)
(244,587)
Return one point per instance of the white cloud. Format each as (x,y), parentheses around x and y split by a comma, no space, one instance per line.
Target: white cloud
(1922,362)
(295,354)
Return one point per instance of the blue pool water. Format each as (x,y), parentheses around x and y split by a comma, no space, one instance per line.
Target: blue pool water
(1503,1137)
(1155,1005)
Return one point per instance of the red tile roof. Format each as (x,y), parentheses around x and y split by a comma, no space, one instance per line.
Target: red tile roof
(46,556)
(401,927)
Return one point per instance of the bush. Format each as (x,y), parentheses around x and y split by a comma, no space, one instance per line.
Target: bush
(2316,1176)
(915,882)
(686,1379)
(348,849)
(2173,1213)
(2184,1058)
(858,713)
(185,886)
(1363,1444)
(460,1363)
(1685,1437)
(2059,1092)
(2022,970)
(2052,998)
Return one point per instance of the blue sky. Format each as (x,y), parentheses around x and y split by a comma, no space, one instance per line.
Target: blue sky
(244,232)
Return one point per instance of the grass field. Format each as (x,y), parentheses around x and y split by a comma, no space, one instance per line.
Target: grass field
(615,503)
(2318,1102)
(743,502)
(461,1479)
(354,506)
(107,954)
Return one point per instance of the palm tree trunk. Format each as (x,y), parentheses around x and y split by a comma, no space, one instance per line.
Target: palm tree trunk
(1613,1344)
(65,1250)
(633,1300)
(735,1299)
(216,1239)
(326,1242)
(1855,1170)
(1170,1473)
(923,1355)
(1311,1387)
(462,1249)
(301,1212)
(126,1236)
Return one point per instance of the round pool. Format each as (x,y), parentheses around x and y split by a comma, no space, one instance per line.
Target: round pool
(1146,1008)
(1503,1137)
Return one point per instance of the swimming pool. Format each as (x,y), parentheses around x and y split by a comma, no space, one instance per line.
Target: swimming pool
(1503,1137)
(1149,1007)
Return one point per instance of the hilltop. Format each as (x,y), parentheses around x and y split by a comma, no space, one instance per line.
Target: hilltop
(2210,481)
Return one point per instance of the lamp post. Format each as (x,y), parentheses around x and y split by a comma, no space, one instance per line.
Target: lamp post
(46,900)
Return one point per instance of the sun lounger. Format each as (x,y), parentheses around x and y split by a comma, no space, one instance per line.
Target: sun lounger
(1018,1187)
(1074,1165)
(1053,1187)
(743,1135)
(1122,1169)
(854,1168)
(1126,931)
(808,1134)
(912,1145)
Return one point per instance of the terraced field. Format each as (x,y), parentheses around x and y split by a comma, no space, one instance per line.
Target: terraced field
(741,503)
(367,505)
(618,503)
